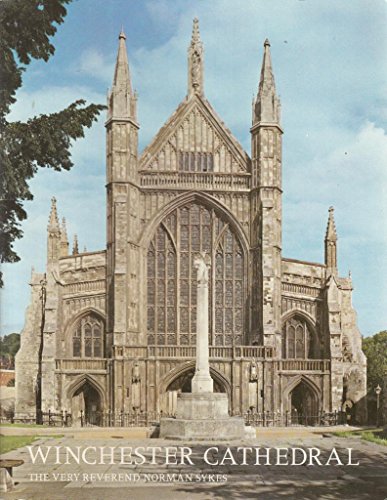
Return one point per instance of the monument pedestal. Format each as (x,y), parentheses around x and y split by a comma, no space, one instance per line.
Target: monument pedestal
(204,417)
(203,414)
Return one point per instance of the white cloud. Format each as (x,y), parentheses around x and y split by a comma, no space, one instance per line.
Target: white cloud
(94,64)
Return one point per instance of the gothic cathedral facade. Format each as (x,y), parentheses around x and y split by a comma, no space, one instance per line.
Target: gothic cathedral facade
(114,330)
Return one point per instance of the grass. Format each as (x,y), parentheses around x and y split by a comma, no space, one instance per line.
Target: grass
(8,443)
(377,436)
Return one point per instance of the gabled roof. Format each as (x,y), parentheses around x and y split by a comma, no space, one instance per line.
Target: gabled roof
(177,119)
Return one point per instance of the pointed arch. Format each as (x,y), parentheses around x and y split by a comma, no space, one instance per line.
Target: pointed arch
(299,335)
(189,366)
(311,386)
(194,197)
(82,343)
(87,379)
(195,222)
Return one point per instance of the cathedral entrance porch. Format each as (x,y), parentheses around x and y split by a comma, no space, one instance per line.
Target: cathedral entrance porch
(303,403)
(86,405)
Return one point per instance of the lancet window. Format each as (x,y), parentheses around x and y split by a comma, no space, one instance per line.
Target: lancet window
(190,161)
(171,278)
(297,341)
(88,337)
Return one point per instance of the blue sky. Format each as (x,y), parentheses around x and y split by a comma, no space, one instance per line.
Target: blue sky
(329,60)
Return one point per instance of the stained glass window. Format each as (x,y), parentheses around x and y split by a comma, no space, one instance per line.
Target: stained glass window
(88,337)
(171,278)
(296,339)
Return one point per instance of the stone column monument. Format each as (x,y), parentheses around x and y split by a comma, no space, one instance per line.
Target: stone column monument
(203,414)
(202,381)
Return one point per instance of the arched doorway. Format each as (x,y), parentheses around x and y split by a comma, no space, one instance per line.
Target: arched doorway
(304,404)
(182,383)
(86,405)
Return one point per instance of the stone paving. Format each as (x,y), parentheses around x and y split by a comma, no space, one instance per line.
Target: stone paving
(167,481)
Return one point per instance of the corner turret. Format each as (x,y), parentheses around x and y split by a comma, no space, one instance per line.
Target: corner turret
(53,234)
(331,244)
(266,106)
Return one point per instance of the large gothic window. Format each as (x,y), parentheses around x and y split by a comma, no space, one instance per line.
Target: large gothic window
(171,278)
(297,341)
(88,337)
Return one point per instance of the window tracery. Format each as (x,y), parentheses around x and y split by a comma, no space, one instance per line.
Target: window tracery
(171,278)
(88,337)
(297,339)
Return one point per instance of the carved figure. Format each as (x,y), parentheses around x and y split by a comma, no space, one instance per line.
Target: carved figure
(195,72)
(202,262)
(136,377)
(253,371)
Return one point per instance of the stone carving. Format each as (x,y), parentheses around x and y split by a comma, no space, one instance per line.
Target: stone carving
(253,371)
(195,72)
(347,354)
(202,263)
(136,376)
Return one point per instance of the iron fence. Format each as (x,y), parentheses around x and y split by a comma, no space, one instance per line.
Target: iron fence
(147,419)
(288,419)
(255,419)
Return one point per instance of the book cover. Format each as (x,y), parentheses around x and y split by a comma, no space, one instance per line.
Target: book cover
(194,284)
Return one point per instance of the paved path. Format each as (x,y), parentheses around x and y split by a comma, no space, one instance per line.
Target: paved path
(266,482)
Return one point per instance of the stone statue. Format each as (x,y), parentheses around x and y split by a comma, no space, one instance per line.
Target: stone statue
(195,71)
(202,262)
(136,377)
(253,371)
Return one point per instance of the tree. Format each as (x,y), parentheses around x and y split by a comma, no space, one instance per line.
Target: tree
(375,348)
(9,345)
(42,141)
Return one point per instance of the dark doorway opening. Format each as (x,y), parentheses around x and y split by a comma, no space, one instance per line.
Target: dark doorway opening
(86,405)
(182,383)
(304,405)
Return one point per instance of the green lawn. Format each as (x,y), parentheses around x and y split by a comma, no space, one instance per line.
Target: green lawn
(377,436)
(8,443)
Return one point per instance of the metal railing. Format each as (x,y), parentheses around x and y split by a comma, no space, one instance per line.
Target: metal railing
(146,419)
(255,419)
(289,419)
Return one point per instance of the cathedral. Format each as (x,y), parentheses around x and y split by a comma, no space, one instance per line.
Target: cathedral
(115,330)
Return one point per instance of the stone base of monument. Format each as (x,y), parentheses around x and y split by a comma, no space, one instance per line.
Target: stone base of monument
(204,417)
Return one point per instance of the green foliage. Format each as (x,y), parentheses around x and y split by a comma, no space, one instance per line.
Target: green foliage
(375,348)
(43,141)
(377,436)
(9,344)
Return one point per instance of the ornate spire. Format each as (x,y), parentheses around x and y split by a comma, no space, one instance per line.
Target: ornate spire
(64,242)
(53,222)
(195,62)
(331,243)
(75,245)
(267,106)
(121,73)
(331,233)
(121,101)
(53,235)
